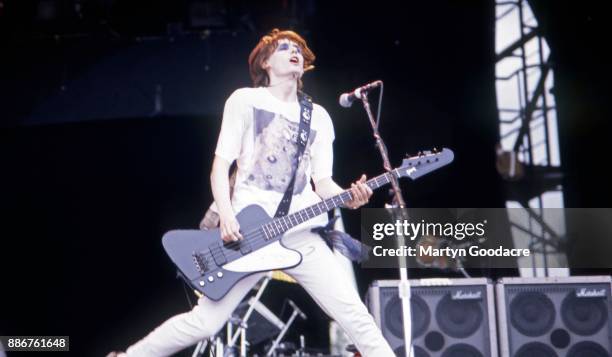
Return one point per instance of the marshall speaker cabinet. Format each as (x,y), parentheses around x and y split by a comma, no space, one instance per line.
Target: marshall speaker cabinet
(560,317)
(450,317)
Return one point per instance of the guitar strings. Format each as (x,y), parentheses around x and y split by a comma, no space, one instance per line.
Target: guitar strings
(258,235)
(384,177)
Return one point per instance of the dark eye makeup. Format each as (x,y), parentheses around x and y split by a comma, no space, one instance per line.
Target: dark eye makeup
(285,46)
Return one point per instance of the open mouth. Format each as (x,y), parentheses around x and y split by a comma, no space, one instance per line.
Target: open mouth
(294,60)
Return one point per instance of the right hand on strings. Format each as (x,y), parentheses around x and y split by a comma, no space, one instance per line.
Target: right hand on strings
(230,228)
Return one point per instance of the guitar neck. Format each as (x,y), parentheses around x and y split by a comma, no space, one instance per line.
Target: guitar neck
(280,225)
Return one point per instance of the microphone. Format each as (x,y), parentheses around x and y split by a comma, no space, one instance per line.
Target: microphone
(347,99)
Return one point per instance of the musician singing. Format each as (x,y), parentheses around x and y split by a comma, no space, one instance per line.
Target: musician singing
(261,130)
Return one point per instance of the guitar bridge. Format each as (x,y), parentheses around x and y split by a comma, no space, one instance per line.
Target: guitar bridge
(200,262)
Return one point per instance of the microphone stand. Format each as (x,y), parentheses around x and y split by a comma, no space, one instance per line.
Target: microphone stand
(398,202)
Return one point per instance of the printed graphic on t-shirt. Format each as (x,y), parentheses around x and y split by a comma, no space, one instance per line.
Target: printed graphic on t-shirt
(274,152)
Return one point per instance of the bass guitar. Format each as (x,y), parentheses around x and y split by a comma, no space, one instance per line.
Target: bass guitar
(213,267)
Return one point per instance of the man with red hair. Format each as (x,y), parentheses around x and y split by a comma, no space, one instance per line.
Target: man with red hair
(260,132)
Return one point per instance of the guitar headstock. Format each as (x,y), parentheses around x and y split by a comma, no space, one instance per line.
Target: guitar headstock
(425,162)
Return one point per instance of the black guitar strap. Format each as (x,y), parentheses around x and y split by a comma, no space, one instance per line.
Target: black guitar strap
(302,141)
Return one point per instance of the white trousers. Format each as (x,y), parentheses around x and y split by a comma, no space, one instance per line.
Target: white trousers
(319,273)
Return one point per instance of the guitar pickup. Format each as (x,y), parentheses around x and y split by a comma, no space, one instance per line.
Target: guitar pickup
(245,247)
(217,254)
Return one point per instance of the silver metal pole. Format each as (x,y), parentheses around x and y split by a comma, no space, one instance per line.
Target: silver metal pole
(248,313)
(404,286)
(199,350)
(282,333)
(243,346)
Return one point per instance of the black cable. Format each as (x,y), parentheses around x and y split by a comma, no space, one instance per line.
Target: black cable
(187,295)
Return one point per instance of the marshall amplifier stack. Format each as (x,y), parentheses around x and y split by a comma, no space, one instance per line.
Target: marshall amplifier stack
(555,317)
(529,317)
(450,317)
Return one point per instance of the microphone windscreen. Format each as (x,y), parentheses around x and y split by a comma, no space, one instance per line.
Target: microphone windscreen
(344,101)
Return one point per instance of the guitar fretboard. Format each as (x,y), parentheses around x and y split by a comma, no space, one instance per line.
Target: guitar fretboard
(280,225)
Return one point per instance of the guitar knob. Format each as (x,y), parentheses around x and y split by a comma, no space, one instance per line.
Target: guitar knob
(202,283)
(219,275)
(211,279)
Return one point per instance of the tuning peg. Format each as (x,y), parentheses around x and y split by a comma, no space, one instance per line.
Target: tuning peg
(435,150)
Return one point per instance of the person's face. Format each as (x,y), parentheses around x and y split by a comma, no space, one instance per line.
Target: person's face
(285,60)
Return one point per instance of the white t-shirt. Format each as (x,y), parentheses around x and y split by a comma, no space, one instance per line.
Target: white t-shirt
(260,132)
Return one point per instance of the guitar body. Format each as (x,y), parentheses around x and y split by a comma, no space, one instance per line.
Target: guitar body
(213,267)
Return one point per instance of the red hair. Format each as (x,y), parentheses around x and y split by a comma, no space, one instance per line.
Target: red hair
(264,49)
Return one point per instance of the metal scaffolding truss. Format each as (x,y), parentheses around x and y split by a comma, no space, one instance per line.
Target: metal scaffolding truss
(528,134)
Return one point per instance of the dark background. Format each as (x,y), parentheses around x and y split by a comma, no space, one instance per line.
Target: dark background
(93,173)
